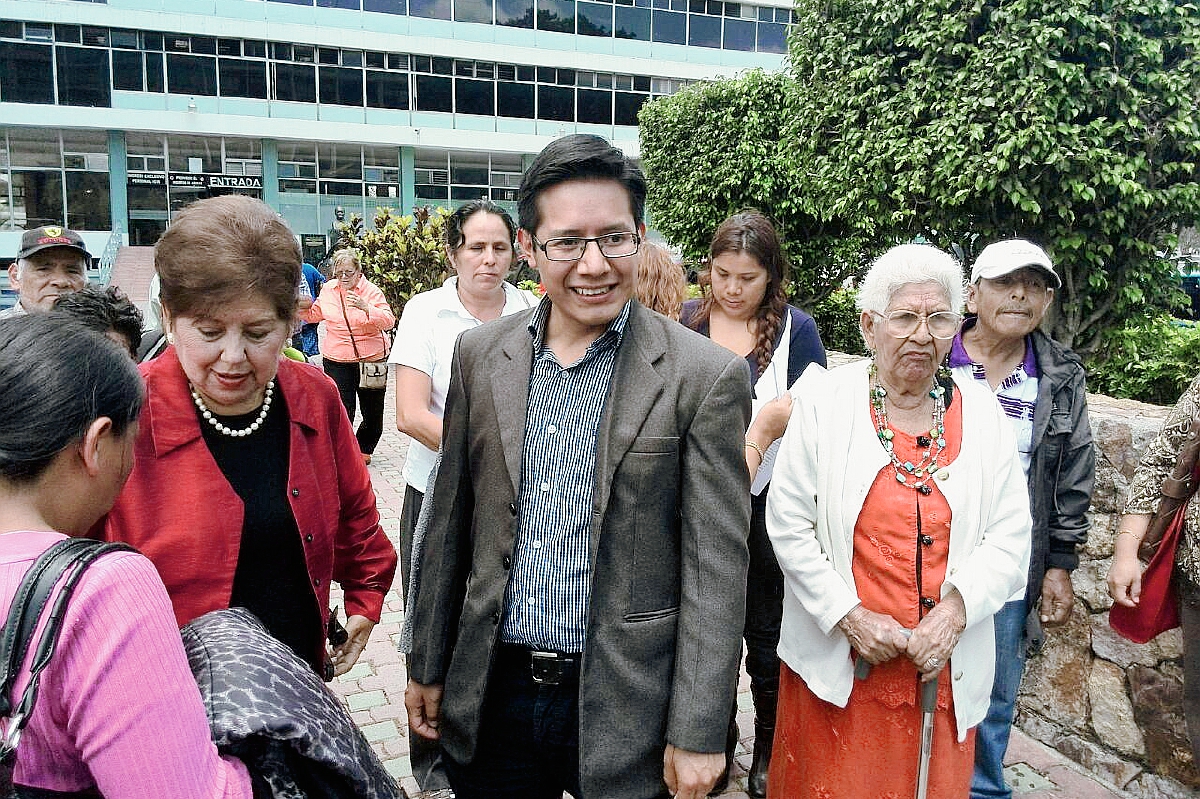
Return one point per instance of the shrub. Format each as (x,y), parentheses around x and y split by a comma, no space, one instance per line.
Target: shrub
(1152,360)
(403,255)
(837,322)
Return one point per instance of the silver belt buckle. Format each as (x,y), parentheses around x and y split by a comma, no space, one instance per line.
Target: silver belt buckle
(546,667)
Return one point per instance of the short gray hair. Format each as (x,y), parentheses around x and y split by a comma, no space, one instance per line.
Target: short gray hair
(907,264)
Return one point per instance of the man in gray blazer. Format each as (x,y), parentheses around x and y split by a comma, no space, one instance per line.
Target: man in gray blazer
(578,616)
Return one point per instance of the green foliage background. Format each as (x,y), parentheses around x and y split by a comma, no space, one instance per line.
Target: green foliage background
(1069,122)
(1153,360)
(402,254)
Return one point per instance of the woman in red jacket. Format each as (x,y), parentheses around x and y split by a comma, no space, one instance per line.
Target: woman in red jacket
(249,489)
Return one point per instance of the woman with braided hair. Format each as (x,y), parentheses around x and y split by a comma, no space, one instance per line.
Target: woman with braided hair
(745,310)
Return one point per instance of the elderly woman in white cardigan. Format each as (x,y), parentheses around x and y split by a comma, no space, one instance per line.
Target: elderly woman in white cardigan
(900,517)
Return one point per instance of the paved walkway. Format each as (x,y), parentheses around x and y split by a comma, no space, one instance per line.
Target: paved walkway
(374,688)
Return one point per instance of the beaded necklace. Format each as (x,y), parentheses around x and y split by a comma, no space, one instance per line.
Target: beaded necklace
(913,475)
(211,418)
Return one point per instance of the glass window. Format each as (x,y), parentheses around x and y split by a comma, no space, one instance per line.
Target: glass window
(152,41)
(178,44)
(514,100)
(387,90)
(739,35)
(595,106)
(430,9)
(204,45)
(386,6)
(253,49)
(245,149)
(340,189)
(30,148)
(595,19)
(144,144)
(526,73)
(341,86)
(281,51)
(229,46)
(397,61)
(92,142)
(304,53)
(434,193)
(352,5)
(464,68)
(87,203)
(191,74)
(38,197)
(641,83)
(547,74)
(67,34)
(704,31)
(96,37)
(340,161)
(566,77)
(195,154)
(83,77)
(715,7)
(296,83)
(381,156)
(556,15)
(10,29)
(155,78)
(556,103)
(473,11)
(38,32)
(352,58)
(464,194)
(469,170)
(26,73)
(772,38)
(514,13)
(633,23)
(474,97)
(626,107)
(375,60)
(443,66)
(241,78)
(670,27)
(327,55)
(434,94)
(485,69)
(422,63)
(127,70)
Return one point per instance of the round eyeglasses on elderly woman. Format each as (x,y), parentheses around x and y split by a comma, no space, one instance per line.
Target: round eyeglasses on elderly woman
(900,518)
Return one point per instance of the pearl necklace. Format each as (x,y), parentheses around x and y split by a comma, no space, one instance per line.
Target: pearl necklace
(229,431)
(934,443)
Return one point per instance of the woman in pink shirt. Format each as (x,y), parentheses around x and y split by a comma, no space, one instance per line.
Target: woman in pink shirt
(118,711)
(356,317)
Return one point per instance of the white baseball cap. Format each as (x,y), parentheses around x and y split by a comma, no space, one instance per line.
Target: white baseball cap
(1010,255)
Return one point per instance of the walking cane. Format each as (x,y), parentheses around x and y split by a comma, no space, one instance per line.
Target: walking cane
(928,706)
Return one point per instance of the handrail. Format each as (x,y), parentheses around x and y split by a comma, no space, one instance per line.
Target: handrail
(109,258)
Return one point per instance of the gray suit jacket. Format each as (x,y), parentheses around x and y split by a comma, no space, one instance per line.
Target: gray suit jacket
(668,546)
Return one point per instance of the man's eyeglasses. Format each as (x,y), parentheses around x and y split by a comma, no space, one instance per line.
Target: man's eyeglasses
(902,324)
(571,248)
(340,275)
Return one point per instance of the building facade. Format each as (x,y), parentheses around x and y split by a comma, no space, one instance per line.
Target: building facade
(114,115)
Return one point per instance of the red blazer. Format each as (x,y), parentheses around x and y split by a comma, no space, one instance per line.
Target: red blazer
(180,511)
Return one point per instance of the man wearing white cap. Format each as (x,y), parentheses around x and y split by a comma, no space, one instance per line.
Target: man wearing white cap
(1040,386)
(52,261)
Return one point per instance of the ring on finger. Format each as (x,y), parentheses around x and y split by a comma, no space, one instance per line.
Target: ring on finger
(932,663)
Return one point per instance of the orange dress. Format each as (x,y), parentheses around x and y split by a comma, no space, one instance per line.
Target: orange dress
(870,749)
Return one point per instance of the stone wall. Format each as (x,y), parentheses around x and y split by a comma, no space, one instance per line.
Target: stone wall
(1111,705)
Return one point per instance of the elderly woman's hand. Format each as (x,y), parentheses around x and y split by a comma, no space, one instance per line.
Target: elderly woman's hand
(358,630)
(876,637)
(935,637)
(771,421)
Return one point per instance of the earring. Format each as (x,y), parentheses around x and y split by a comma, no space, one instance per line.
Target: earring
(170,338)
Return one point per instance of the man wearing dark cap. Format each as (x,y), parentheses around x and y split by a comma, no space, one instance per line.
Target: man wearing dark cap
(1040,386)
(52,261)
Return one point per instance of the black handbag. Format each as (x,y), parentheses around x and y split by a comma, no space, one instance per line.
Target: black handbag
(66,561)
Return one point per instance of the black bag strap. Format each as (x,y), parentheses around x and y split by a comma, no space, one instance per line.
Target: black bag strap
(71,558)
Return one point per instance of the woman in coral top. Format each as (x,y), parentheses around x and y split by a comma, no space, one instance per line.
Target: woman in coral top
(117,712)
(900,517)
(357,318)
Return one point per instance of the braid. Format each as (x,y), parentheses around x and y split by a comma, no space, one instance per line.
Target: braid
(769,321)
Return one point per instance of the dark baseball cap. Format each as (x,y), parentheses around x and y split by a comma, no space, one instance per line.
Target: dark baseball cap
(47,236)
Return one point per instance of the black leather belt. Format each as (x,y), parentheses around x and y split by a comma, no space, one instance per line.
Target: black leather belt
(546,668)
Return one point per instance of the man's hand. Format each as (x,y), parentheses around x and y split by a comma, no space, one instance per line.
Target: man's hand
(689,775)
(358,630)
(1058,597)
(424,705)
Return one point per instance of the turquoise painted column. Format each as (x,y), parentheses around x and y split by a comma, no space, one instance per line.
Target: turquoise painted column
(118,183)
(408,179)
(270,169)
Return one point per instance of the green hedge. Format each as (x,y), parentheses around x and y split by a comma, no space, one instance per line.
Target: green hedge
(837,322)
(1152,361)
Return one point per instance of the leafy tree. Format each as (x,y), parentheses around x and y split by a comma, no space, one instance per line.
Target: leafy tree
(1069,122)
(718,147)
(402,255)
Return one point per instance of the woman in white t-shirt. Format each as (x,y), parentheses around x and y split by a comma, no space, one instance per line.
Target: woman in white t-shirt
(479,243)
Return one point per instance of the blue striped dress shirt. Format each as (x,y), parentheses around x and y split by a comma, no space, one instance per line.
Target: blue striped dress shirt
(546,602)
